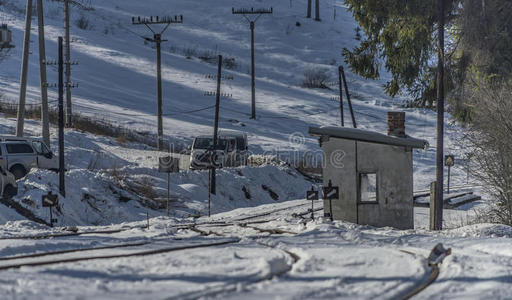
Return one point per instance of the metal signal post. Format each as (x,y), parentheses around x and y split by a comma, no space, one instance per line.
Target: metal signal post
(258,12)
(157,38)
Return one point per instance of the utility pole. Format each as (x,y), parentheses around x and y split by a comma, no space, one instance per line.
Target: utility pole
(259,13)
(62,187)
(348,97)
(216,126)
(157,38)
(309,9)
(45,122)
(67,40)
(340,69)
(317,10)
(24,70)
(438,212)
(68,65)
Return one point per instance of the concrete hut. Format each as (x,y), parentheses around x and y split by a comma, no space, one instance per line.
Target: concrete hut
(374,173)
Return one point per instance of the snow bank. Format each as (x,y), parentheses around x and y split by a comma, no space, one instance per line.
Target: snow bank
(111,183)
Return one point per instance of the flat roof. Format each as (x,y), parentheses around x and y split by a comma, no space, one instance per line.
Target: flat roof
(367,136)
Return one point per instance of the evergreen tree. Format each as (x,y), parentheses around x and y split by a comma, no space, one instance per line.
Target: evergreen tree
(485,29)
(401,35)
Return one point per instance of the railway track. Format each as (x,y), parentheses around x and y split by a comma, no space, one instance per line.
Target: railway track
(65,234)
(109,256)
(434,273)
(233,287)
(293,258)
(5,258)
(127,245)
(213,223)
(435,258)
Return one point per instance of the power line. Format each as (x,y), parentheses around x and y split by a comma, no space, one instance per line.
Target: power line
(191,111)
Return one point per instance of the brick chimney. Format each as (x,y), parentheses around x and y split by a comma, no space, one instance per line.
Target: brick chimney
(396,123)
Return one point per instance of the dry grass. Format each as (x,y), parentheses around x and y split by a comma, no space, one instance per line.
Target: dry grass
(83,123)
(146,189)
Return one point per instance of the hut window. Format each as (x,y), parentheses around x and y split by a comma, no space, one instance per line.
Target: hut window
(368,187)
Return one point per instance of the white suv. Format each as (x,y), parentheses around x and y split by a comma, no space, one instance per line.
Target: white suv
(19,155)
(8,184)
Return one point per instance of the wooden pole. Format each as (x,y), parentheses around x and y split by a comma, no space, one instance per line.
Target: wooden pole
(341,96)
(309,9)
(24,71)
(45,122)
(253,88)
(348,98)
(213,183)
(438,213)
(158,41)
(68,65)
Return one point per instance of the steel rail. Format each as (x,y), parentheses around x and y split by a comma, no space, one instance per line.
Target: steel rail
(434,273)
(71,251)
(110,256)
(56,235)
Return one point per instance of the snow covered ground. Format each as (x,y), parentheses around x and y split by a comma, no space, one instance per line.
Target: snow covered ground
(113,185)
(308,260)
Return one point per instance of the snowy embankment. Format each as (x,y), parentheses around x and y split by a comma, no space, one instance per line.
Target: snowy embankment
(110,183)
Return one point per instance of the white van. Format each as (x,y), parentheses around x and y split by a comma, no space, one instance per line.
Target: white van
(242,147)
(232,150)
(20,154)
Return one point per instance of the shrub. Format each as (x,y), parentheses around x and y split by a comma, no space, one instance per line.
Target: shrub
(229,63)
(315,78)
(83,23)
(146,188)
(208,56)
(189,52)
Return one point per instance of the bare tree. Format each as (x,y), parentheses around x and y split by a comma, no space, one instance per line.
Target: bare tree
(490,140)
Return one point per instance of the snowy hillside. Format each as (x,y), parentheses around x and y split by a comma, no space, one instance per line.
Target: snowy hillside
(117,73)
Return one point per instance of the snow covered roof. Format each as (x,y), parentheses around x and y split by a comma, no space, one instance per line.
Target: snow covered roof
(367,136)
